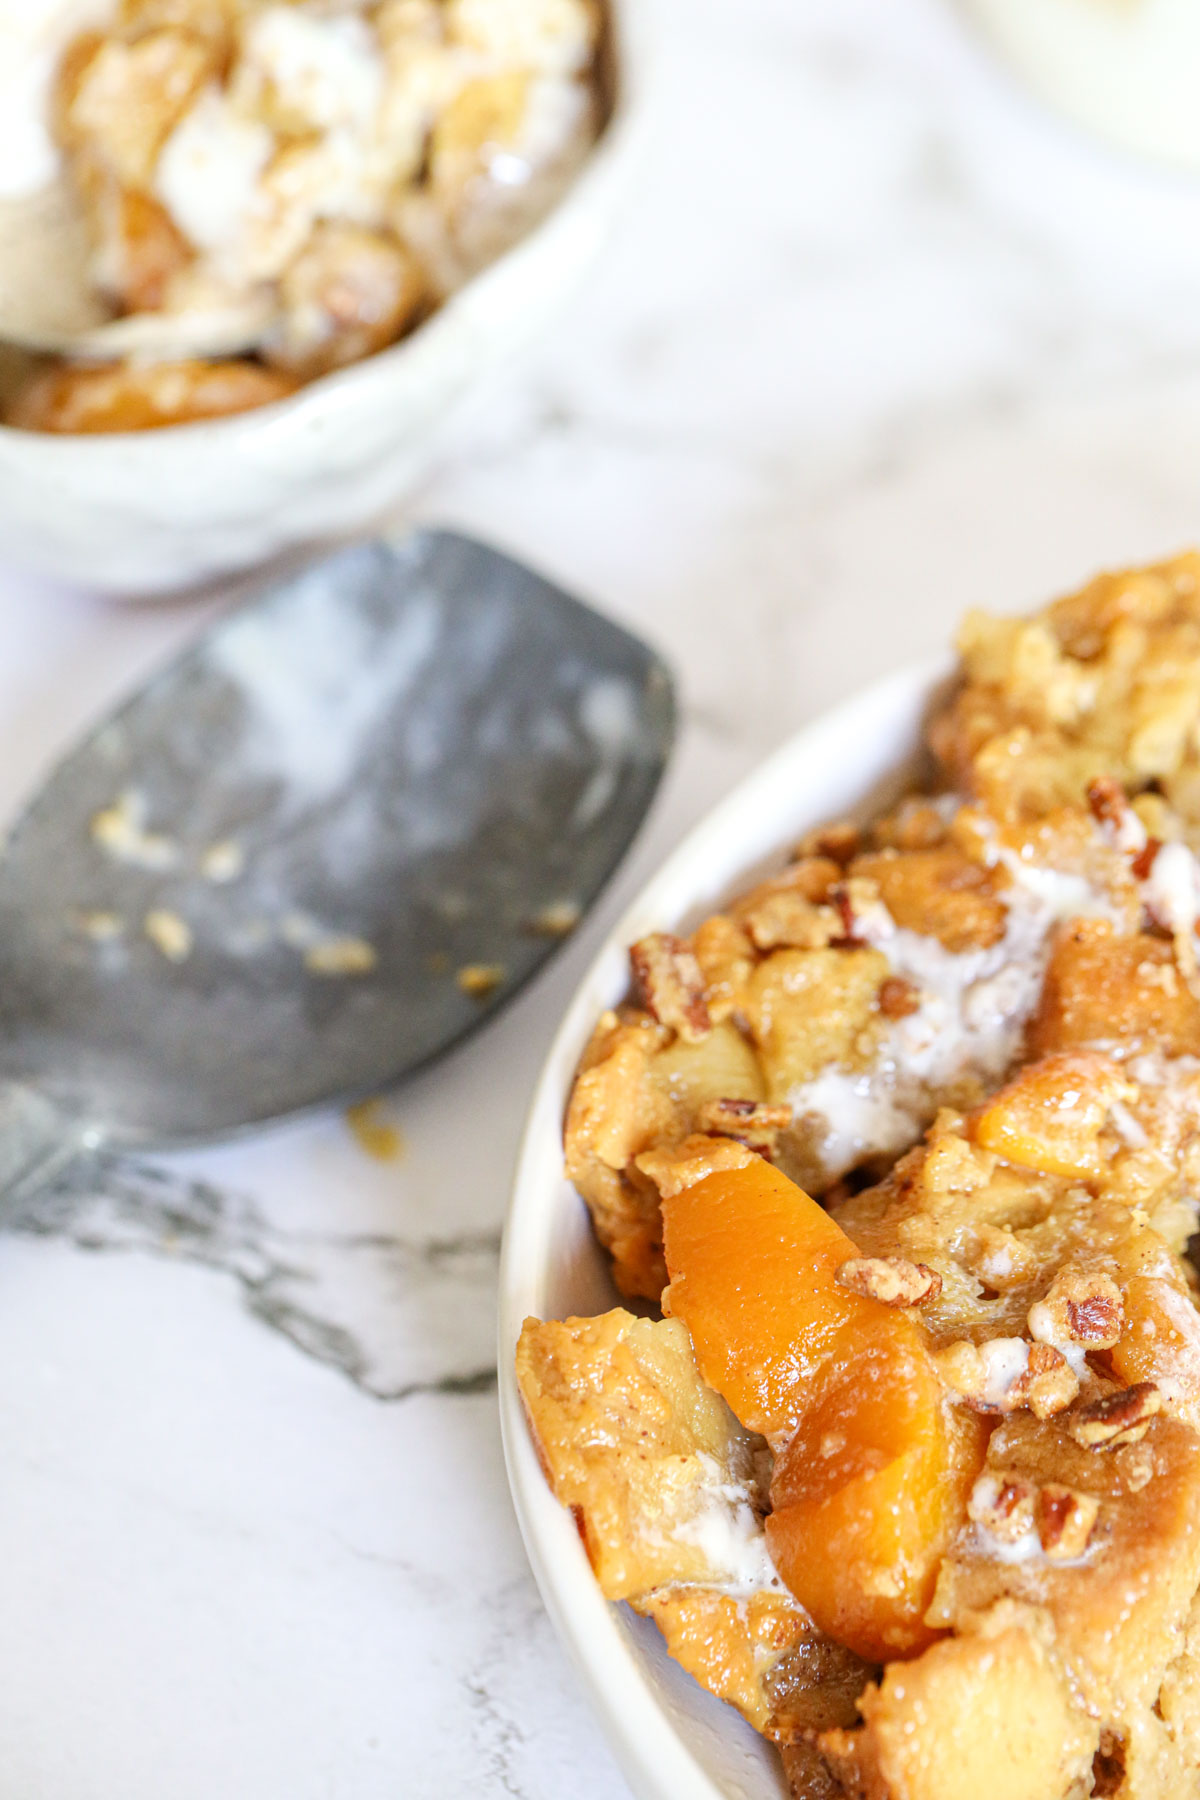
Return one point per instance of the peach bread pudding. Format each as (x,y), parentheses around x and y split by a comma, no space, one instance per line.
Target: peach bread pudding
(897,1160)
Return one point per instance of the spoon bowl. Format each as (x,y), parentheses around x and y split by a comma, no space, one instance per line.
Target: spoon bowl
(327,842)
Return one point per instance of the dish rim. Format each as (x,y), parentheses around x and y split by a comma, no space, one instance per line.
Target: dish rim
(845,760)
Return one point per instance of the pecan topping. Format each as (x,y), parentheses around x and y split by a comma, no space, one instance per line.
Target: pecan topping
(1106,800)
(787,920)
(671,985)
(852,899)
(1049,1385)
(1122,1418)
(845,912)
(1081,1307)
(1004,1506)
(1005,1375)
(1143,862)
(890,1279)
(751,1122)
(1064,1521)
(898,997)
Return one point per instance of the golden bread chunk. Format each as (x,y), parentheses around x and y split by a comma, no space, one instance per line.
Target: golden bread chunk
(663,1481)
(988,1714)
(1101,987)
(732,1643)
(941,893)
(129,397)
(809,1010)
(1104,683)
(641,1088)
(119,97)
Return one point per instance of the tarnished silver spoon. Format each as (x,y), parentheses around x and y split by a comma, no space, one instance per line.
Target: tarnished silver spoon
(324,844)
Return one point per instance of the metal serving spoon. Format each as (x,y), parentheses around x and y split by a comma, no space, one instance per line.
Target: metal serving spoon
(320,847)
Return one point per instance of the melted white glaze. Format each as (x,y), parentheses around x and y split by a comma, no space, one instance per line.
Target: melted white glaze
(973,1009)
(208,172)
(730,1534)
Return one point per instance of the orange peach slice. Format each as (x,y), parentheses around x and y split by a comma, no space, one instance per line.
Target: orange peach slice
(874,1464)
(752,1262)
(869,1492)
(1050,1117)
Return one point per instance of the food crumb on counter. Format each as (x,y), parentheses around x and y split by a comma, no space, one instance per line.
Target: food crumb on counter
(373,1132)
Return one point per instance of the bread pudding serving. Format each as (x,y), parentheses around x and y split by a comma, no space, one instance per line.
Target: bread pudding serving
(314,178)
(897,1161)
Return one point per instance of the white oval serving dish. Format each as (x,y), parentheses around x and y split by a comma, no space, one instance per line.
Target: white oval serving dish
(672,1740)
(142,512)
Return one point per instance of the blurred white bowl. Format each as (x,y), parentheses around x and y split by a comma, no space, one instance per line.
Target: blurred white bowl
(671,1738)
(140,512)
(1127,69)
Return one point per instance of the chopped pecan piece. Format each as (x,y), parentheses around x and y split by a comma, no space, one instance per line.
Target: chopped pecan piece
(890,1279)
(1122,1418)
(1106,800)
(1050,1384)
(852,899)
(1143,862)
(751,1122)
(786,920)
(1004,1506)
(1005,1375)
(898,997)
(671,985)
(1081,1307)
(1064,1521)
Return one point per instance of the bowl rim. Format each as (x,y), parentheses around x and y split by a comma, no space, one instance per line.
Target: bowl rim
(405,360)
(743,833)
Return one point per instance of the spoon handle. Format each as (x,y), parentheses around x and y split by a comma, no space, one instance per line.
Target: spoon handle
(37,1141)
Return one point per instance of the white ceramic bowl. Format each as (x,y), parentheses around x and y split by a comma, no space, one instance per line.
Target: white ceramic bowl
(1127,69)
(672,1740)
(141,512)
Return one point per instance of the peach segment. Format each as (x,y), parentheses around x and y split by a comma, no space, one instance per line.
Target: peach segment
(752,1262)
(870,1490)
(874,1468)
(1051,1115)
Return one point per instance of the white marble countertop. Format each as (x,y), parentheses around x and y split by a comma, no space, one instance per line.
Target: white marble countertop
(878,340)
